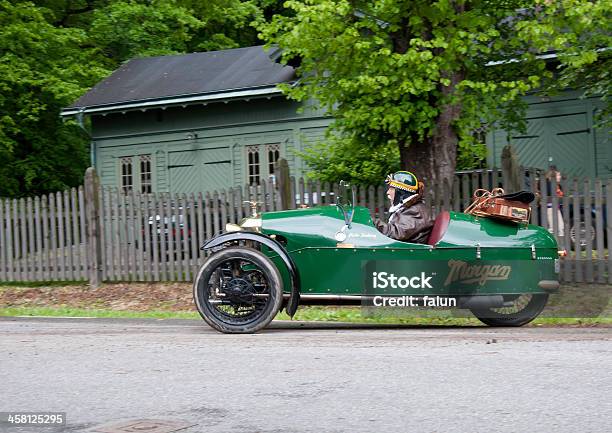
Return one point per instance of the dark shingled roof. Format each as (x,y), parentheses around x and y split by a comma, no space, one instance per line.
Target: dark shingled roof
(162,77)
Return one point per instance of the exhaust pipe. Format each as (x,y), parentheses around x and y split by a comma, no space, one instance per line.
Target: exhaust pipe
(481,302)
(463,302)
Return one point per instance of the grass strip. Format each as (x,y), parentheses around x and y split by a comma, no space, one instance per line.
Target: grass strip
(327,314)
(85,312)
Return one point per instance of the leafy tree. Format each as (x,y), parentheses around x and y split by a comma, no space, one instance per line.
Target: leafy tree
(584,48)
(126,29)
(70,13)
(336,159)
(420,75)
(227,23)
(53,51)
(42,68)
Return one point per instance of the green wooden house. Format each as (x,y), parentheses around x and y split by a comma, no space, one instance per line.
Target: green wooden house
(561,131)
(205,121)
(196,122)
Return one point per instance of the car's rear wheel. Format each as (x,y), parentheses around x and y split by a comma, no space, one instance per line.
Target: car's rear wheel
(521,310)
(585,232)
(238,290)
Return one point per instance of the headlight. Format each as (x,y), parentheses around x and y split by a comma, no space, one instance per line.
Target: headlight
(231,227)
(251,223)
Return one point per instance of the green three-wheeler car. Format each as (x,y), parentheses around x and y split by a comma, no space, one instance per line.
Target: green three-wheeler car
(503,272)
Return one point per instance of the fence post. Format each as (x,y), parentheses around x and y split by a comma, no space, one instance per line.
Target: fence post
(281,175)
(92,215)
(511,172)
(609,226)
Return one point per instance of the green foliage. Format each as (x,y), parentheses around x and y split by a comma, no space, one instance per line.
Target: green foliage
(338,159)
(584,47)
(42,68)
(126,29)
(53,51)
(409,72)
(227,23)
(389,70)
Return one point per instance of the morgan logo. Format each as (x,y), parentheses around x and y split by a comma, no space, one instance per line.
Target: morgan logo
(383,280)
(461,272)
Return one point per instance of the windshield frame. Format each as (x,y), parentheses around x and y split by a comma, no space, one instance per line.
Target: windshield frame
(345,200)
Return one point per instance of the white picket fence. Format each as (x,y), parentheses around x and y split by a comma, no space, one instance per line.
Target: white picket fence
(102,234)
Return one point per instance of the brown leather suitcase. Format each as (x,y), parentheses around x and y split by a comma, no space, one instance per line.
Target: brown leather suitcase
(495,204)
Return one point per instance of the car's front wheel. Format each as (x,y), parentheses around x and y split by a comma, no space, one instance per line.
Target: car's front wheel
(521,310)
(238,290)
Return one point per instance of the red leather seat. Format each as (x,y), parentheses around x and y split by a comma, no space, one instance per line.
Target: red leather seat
(439,228)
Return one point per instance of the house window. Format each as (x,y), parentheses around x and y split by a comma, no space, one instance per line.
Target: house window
(253,164)
(260,161)
(127,180)
(145,174)
(135,174)
(273,155)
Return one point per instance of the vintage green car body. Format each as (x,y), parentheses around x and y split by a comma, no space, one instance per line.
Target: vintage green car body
(335,255)
(328,267)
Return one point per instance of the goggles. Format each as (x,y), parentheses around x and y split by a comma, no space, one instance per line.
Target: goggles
(401,185)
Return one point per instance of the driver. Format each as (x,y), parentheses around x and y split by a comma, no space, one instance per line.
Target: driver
(410,219)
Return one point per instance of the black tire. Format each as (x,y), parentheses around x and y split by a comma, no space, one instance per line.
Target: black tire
(240,279)
(526,307)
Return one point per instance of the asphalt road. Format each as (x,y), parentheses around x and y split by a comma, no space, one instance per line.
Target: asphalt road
(306,378)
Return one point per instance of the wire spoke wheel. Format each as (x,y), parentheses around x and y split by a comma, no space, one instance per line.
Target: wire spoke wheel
(238,290)
(519,303)
(238,294)
(517,311)
(586,234)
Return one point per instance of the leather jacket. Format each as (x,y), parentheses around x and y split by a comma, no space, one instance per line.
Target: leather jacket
(412,223)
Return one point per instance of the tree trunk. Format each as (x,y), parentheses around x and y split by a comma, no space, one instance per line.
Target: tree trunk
(434,158)
(417,157)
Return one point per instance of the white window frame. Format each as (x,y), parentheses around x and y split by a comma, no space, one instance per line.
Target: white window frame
(146,183)
(131,173)
(126,174)
(264,163)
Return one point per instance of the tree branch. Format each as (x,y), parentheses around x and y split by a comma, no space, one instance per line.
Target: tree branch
(68,12)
